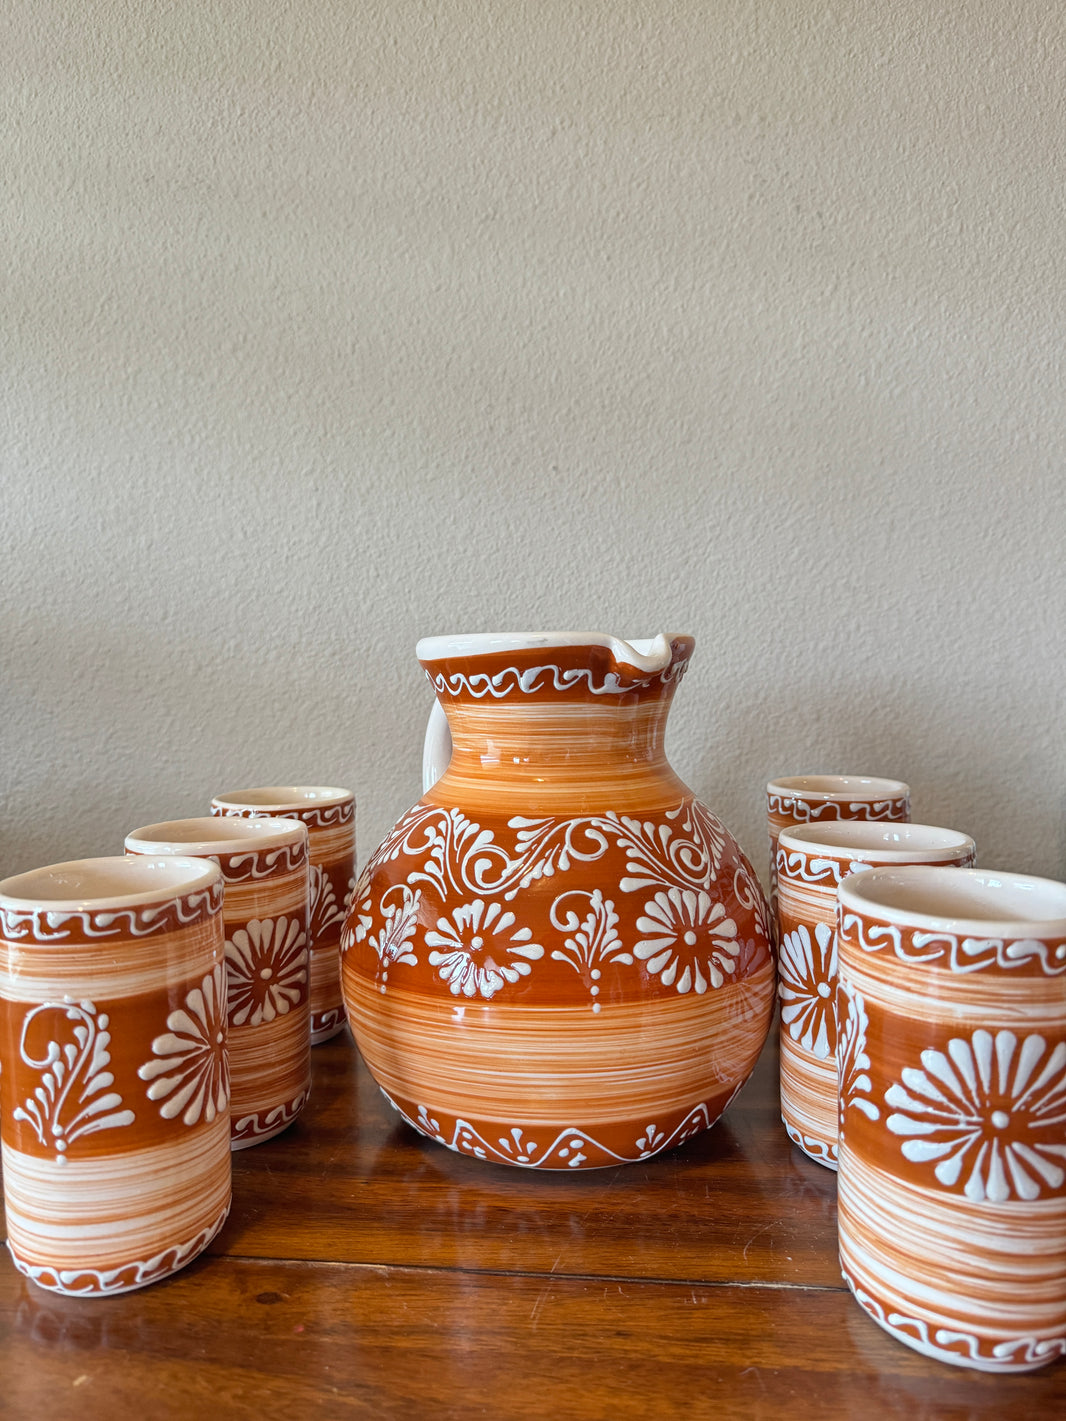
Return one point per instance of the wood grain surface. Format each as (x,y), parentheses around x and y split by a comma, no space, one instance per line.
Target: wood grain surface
(365,1271)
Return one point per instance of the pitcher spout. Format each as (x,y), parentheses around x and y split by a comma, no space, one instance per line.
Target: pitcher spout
(582,689)
(643,656)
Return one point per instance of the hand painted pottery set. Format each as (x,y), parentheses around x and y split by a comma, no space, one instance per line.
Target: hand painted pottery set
(157,1012)
(559,959)
(923,1055)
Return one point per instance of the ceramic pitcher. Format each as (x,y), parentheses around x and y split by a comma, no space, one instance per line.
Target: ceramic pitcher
(559,958)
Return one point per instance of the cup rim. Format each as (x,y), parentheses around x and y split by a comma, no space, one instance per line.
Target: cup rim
(932,843)
(164,878)
(268,797)
(830,789)
(875,894)
(218,834)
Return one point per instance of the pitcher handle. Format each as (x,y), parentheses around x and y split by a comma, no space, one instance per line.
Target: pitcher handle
(437,750)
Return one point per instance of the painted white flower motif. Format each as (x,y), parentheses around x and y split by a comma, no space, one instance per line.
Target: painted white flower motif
(689,942)
(324,908)
(266,969)
(391,943)
(595,939)
(476,943)
(360,915)
(990,1106)
(806,970)
(190,1072)
(74,1097)
(660,856)
(750,895)
(853,1062)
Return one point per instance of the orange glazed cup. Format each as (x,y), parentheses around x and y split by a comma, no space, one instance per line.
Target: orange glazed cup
(264,867)
(328,814)
(812,861)
(114,1091)
(822,799)
(952,1071)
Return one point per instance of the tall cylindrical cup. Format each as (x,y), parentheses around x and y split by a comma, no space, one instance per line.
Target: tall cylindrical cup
(952,1076)
(328,814)
(114,1094)
(264,866)
(812,861)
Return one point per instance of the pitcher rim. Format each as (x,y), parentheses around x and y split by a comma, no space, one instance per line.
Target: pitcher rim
(647,654)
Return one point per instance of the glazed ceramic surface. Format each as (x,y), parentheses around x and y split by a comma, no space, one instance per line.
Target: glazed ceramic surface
(264,910)
(812,861)
(328,814)
(116,1156)
(822,799)
(952,1068)
(559,958)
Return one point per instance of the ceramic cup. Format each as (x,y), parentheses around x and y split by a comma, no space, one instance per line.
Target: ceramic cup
(115,1133)
(822,799)
(952,1075)
(329,817)
(812,861)
(264,912)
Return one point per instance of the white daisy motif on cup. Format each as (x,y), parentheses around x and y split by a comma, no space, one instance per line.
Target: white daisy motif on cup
(688,941)
(806,972)
(479,950)
(190,1069)
(988,1108)
(266,970)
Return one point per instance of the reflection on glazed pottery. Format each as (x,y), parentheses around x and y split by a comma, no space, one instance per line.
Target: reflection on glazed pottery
(115,1088)
(952,1065)
(328,814)
(264,912)
(559,958)
(812,861)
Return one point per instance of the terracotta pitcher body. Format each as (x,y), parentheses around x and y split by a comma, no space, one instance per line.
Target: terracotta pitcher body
(559,958)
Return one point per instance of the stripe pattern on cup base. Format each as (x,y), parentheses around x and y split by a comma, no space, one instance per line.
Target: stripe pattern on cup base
(114,1217)
(327,1024)
(815,1149)
(255,1128)
(1022,1354)
(93,1282)
(977,1284)
(808,1100)
(327,1005)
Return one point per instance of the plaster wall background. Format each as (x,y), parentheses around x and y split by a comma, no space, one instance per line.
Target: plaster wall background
(329,325)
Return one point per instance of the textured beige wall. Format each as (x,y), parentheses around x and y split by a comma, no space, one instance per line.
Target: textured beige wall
(328,325)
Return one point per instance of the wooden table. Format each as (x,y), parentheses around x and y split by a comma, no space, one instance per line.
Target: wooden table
(365,1271)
